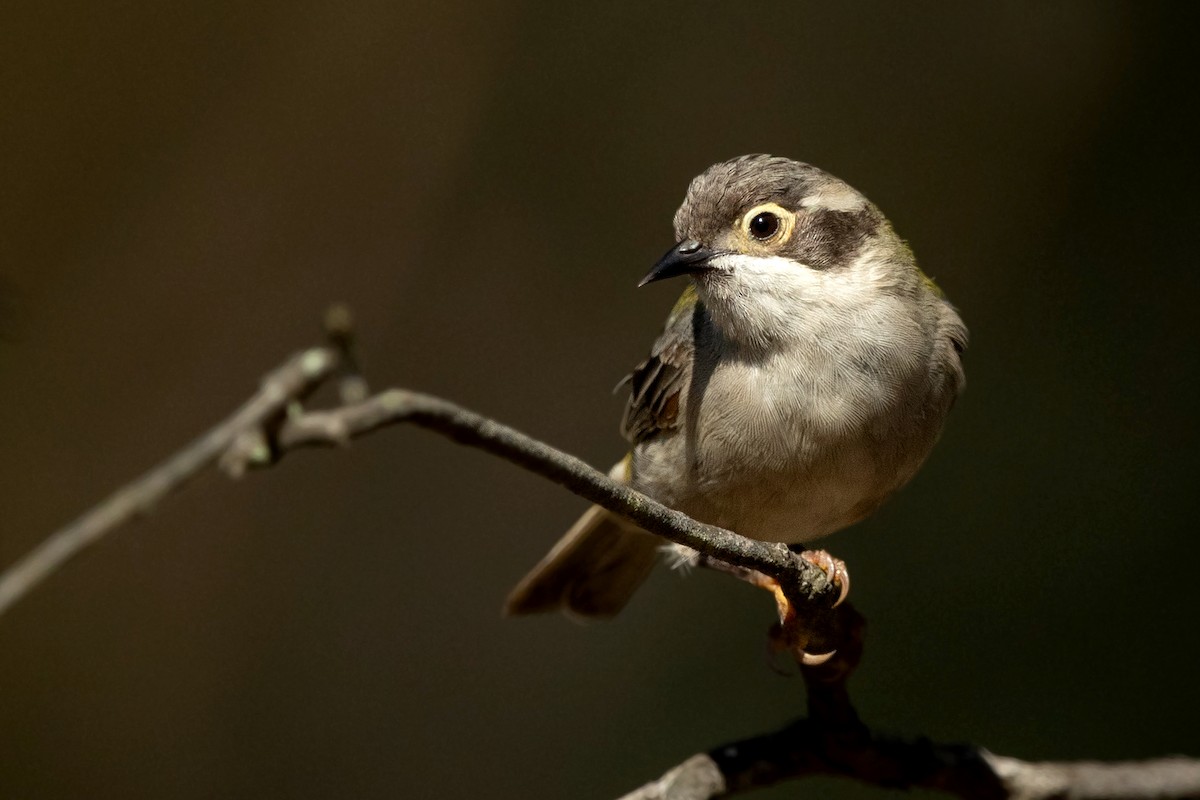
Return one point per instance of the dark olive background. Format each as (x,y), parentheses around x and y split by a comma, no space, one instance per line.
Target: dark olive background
(185,188)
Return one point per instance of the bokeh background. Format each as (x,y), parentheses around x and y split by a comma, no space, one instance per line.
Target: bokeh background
(186,187)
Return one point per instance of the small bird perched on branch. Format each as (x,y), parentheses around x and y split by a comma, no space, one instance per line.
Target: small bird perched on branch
(801,379)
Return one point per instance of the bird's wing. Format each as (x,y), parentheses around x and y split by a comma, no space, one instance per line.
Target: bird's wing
(657,386)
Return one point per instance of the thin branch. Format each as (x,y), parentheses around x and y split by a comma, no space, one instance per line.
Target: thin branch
(290,382)
(259,433)
(809,584)
(1174,777)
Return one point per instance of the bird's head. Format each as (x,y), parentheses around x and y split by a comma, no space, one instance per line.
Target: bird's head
(775,246)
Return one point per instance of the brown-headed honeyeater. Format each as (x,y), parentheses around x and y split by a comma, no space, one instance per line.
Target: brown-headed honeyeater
(801,379)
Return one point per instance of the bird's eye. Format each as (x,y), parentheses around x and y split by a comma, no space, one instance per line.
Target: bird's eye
(763,226)
(767,224)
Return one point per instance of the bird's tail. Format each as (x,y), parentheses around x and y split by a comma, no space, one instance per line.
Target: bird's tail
(592,571)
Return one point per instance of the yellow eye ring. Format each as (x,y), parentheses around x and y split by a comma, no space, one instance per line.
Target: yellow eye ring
(768,223)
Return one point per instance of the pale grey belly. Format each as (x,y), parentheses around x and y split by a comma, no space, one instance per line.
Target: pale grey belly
(760,492)
(789,456)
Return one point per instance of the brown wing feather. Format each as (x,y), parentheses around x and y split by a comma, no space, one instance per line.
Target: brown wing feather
(657,385)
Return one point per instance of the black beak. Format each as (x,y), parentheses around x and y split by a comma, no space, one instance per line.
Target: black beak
(686,258)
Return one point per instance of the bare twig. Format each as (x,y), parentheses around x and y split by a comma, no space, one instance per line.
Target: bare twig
(809,584)
(290,382)
(1173,777)
(271,423)
(806,586)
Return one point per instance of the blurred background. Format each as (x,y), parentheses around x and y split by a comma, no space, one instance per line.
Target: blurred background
(187,187)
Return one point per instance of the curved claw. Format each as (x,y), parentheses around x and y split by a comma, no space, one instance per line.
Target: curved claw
(834,569)
(810,660)
(781,639)
(842,579)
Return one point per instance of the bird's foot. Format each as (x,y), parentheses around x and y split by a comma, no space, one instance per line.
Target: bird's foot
(834,569)
(792,634)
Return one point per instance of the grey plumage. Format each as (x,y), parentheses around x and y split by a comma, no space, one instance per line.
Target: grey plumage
(802,378)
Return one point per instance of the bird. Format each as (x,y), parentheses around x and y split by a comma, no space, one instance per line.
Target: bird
(801,379)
